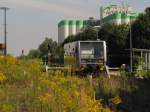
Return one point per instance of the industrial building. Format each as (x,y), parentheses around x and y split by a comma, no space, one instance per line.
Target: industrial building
(117,14)
(73,27)
(69,27)
(110,14)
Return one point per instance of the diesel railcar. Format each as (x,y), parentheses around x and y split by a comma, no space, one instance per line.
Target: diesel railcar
(80,55)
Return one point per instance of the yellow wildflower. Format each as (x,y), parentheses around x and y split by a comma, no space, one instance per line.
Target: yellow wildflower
(116,100)
(2,77)
(45,98)
(77,94)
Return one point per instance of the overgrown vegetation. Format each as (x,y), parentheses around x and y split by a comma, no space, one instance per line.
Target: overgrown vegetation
(25,87)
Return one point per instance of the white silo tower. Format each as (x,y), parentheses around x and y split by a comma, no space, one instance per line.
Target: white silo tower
(79,25)
(125,18)
(85,23)
(72,27)
(66,29)
(63,30)
(116,18)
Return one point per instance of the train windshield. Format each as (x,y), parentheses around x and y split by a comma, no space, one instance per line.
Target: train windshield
(91,50)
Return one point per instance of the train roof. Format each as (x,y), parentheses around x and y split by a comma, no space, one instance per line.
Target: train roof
(86,41)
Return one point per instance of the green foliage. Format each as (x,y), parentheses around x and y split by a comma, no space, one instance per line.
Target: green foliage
(140,70)
(115,37)
(70,38)
(34,53)
(48,49)
(47,46)
(141,31)
(59,54)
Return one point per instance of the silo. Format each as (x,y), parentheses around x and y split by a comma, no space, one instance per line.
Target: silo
(65,29)
(85,23)
(79,25)
(116,18)
(113,18)
(125,18)
(72,27)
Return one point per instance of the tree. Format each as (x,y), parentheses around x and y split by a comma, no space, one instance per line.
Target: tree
(141,31)
(47,46)
(115,37)
(34,53)
(70,38)
(147,10)
(48,50)
(89,33)
(60,54)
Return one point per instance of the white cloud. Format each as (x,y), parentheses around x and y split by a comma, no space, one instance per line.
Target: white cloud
(53,7)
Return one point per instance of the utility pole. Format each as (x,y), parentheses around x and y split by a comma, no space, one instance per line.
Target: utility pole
(131,46)
(131,54)
(5,28)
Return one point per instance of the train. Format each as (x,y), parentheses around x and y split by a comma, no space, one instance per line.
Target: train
(85,55)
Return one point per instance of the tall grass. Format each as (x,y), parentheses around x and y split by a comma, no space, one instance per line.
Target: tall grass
(24,87)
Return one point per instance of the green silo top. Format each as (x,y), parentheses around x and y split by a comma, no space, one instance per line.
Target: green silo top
(111,17)
(72,22)
(79,22)
(85,22)
(63,23)
(125,16)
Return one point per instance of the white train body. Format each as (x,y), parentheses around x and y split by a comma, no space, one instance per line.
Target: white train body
(82,53)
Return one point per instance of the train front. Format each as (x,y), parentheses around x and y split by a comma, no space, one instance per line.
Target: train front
(91,55)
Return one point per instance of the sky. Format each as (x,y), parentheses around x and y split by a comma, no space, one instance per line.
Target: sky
(30,21)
